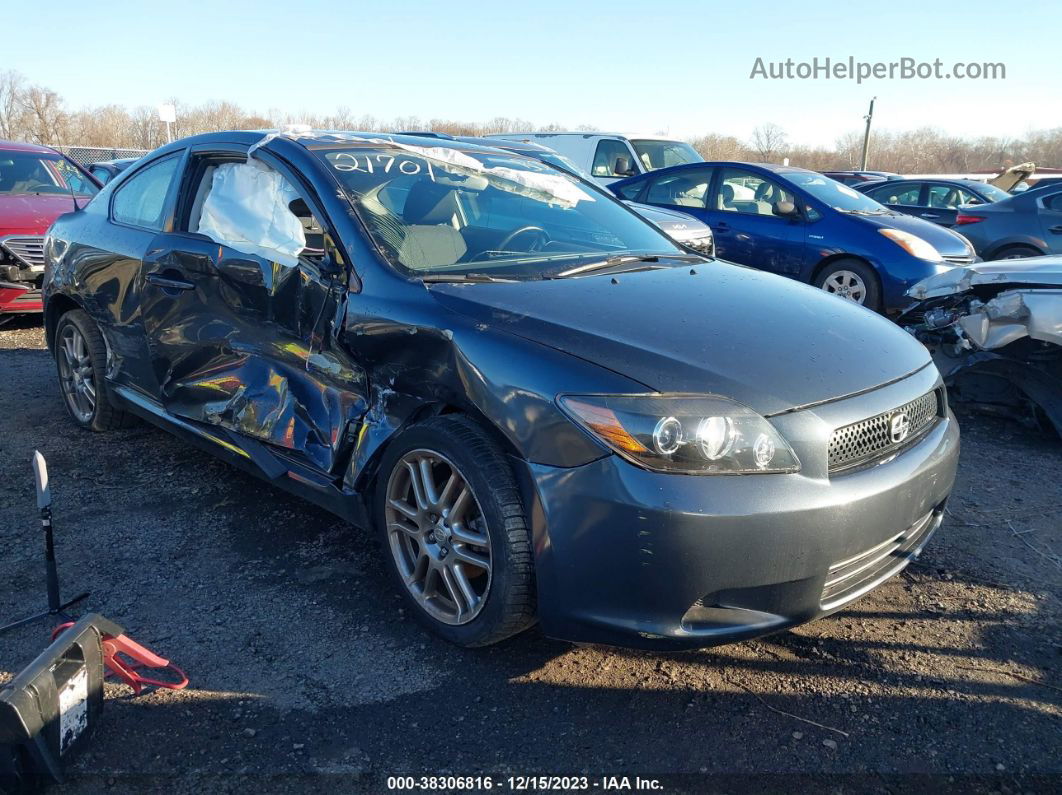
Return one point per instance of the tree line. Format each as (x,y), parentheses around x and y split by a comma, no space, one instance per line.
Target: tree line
(30,112)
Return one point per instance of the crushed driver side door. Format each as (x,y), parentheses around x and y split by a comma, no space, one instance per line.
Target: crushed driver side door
(239,310)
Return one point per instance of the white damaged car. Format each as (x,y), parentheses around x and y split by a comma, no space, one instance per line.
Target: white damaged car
(995,332)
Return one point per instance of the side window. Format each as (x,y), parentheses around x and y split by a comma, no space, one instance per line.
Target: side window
(75,180)
(1054,202)
(141,200)
(685,189)
(612,159)
(252,208)
(630,192)
(946,197)
(905,194)
(746,192)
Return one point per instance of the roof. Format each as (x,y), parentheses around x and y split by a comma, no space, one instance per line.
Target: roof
(21,146)
(972,183)
(318,138)
(775,167)
(499,143)
(587,134)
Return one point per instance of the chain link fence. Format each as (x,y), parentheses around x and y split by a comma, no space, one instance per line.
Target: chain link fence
(87,155)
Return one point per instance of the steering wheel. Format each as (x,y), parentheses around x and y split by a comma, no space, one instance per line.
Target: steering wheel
(543,238)
(36,186)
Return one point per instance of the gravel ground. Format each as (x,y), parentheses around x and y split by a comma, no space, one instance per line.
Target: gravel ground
(303,666)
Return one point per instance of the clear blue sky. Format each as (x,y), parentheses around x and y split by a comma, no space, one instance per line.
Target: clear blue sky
(679,66)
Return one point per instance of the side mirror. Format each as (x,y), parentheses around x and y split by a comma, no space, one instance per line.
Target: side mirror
(785,207)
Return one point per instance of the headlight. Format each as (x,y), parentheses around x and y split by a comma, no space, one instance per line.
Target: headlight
(697,435)
(705,244)
(912,244)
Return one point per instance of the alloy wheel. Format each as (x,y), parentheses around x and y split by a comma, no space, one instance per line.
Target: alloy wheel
(438,536)
(76,374)
(846,284)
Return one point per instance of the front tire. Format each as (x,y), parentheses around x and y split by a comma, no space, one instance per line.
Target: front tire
(455,532)
(852,280)
(81,361)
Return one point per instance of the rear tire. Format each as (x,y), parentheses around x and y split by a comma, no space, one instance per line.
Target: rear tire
(1016,252)
(462,562)
(853,280)
(81,362)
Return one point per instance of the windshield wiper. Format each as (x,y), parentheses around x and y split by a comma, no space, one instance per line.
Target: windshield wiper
(431,278)
(866,212)
(623,259)
(610,262)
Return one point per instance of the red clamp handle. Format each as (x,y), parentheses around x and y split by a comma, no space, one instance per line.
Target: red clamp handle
(123,657)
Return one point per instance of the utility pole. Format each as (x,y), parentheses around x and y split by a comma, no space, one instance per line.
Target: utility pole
(866,136)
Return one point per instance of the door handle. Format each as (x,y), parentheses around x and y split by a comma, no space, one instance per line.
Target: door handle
(722,226)
(170,281)
(930,215)
(1057,230)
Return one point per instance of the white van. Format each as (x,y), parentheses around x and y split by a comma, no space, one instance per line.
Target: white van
(608,157)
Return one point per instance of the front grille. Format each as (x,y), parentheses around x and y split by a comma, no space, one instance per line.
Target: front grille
(851,578)
(959,259)
(27,250)
(871,439)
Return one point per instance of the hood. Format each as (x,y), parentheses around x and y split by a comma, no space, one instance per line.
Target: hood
(32,214)
(944,240)
(763,340)
(1038,271)
(665,218)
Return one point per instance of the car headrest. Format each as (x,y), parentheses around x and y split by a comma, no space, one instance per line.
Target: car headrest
(423,197)
(728,193)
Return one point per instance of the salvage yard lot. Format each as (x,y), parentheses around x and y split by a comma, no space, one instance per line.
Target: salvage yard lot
(302,661)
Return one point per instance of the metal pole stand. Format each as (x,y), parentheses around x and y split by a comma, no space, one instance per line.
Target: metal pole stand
(56,607)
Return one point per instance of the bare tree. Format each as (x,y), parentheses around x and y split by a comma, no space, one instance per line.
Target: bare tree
(145,129)
(12,109)
(768,140)
(45,118)
(720,147)
(35,113)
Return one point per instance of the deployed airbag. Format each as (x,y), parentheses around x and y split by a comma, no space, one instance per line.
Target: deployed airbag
(247,210)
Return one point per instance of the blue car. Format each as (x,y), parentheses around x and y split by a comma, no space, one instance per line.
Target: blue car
(807,226)
(936,200)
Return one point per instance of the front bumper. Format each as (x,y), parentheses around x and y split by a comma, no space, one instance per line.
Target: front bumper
(634,558)
(895,289)
(20,298)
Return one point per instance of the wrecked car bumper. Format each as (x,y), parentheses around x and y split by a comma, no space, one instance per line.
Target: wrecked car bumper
(995,332)
(19,298)
(635,558)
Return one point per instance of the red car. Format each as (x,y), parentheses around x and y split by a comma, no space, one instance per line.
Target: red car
(37,185)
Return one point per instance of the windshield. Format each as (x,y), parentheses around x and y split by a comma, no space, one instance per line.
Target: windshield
(835,194)
(558,160)
(31,172)
(661,154)
(438,210)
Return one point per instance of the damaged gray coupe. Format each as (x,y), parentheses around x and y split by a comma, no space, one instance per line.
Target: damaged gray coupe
(995,332)
(546,408)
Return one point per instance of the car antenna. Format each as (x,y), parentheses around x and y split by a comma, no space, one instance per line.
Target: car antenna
(69,184)
(73,198)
